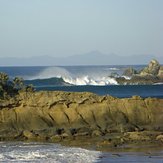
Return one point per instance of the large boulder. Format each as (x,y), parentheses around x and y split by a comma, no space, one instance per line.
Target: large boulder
(152,69)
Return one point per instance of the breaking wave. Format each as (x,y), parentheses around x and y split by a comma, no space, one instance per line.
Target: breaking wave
(86,80)
(61,76)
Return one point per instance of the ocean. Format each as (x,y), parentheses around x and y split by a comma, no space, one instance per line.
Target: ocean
(95,79)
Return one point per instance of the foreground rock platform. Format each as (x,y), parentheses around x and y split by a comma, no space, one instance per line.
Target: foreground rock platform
(74,117)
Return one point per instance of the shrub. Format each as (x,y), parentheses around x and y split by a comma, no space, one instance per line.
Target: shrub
(9,88)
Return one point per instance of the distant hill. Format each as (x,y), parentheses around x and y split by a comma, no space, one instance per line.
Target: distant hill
(91,58)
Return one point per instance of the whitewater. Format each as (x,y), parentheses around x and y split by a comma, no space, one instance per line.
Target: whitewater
(86,77)
(45,153)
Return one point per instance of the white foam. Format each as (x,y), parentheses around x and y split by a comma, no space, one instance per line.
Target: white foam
(22,155)
(158,83)
(86,80)
(20,152)
(111,68)
(126,77)
(114,68)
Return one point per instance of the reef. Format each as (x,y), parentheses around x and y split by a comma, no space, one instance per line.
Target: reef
(78,118)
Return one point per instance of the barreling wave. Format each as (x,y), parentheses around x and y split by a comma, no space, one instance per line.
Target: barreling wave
(55,76)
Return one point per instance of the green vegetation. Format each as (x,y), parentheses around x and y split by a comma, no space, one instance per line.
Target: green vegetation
(11,87)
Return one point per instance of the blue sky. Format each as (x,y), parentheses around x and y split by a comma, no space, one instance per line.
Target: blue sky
(67,27)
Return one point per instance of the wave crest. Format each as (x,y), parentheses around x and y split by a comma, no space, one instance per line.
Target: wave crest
(75,79)
(86,80)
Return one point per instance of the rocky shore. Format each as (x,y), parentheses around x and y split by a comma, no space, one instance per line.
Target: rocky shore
(81,118)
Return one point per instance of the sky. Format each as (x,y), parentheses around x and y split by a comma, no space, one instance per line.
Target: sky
(62,28)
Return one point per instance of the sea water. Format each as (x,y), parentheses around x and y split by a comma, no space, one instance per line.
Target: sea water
(94,79)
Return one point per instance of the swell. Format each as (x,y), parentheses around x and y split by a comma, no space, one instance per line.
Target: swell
(47,82)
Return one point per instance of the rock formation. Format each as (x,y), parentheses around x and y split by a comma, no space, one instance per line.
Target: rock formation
(55,116)
(152,73)
(129,72)
(152,68)
(160,72)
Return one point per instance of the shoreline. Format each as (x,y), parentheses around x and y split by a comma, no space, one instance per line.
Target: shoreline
(88,144)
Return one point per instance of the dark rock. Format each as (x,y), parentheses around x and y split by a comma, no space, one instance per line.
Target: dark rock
(60,131)
(129,72)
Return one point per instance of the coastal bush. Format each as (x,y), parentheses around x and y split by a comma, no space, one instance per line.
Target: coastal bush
(11,87)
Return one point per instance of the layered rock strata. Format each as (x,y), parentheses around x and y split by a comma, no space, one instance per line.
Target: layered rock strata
(55,116)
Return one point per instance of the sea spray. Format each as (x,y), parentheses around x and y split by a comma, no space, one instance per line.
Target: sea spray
(78,78)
